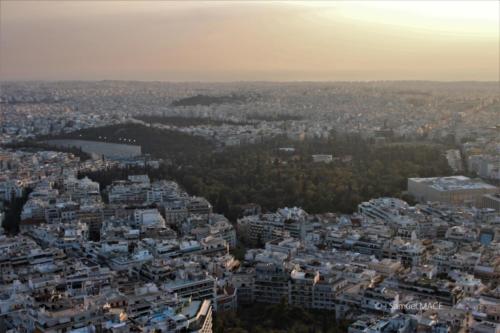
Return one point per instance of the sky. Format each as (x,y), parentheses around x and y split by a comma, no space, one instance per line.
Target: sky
(250,41)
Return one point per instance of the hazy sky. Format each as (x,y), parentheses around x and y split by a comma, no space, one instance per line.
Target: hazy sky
(231,41)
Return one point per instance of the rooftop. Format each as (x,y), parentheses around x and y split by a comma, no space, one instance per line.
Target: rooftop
(453,183)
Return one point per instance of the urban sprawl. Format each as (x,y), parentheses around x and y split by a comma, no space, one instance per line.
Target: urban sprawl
(144,255)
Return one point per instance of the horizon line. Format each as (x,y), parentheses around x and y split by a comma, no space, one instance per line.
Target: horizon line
(242,81)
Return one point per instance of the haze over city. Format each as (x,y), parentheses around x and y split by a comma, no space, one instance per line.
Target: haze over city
(249,166)
(238,41)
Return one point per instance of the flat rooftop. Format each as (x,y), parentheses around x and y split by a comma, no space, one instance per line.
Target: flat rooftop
(454,183)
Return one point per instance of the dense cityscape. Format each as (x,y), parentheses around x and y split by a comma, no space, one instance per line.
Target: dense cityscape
(293,166)
(99,235)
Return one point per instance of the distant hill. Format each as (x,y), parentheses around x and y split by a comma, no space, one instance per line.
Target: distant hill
(209,100)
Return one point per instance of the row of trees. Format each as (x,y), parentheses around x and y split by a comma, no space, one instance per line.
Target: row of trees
(13,209)
(157,142)
(277,318)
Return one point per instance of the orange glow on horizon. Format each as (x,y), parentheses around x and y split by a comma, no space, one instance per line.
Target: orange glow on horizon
(227,41)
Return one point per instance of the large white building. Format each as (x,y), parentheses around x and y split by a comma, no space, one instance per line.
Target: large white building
(454,189)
